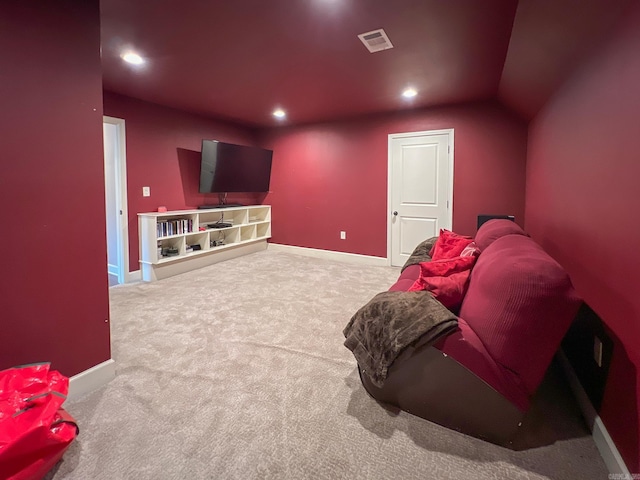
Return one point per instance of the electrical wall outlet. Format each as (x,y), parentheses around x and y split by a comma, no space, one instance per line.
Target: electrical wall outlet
(146,191)
(343,235)
(597,351)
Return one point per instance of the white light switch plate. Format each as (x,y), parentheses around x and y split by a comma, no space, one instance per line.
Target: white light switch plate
(146,191)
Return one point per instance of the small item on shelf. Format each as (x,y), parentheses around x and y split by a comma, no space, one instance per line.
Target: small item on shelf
(162,209)
(170,252)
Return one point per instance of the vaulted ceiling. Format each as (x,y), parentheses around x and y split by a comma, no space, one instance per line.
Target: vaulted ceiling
(239,60)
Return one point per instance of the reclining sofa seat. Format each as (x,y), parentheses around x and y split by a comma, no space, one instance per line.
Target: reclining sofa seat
(480,379)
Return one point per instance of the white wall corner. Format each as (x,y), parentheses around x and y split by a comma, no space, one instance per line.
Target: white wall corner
(91,379)
(608,450)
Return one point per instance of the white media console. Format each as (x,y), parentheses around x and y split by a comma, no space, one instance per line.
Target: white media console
(182,240)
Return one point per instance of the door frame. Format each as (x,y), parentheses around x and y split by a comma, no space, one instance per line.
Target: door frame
(122,234)
(393,136)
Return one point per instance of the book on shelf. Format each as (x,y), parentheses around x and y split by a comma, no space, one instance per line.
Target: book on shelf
(174,227)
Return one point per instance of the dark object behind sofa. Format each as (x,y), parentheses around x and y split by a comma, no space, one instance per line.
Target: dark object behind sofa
(485,218)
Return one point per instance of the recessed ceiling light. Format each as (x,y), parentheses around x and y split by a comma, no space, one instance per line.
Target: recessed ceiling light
(132,58)
(409,93)
(279,113)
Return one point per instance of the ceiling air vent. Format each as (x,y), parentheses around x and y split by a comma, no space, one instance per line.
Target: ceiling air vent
(375,40)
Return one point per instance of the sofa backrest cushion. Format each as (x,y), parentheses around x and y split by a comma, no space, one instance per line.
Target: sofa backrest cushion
(493,229)
(520,302)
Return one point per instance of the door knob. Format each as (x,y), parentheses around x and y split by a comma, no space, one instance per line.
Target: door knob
(395,214)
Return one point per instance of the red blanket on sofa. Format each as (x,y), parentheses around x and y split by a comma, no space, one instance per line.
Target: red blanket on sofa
(446,276)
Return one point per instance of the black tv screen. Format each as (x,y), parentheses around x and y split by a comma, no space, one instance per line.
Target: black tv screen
(226,167)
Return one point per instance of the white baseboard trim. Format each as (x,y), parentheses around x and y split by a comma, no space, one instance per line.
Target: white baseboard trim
(135,276)
(608,450)
(331,255)
(91,379)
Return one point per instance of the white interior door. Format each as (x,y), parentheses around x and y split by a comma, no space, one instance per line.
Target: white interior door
(420,189)
(116,200)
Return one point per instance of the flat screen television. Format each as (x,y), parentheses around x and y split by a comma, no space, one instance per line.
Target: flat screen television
(226,167)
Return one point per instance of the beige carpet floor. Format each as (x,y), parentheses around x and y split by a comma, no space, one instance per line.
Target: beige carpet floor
(237,371)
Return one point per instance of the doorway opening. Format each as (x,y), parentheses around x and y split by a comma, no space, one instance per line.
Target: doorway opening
(115,177)
(420,190)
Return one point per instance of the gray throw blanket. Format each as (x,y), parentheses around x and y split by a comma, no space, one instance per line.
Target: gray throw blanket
(420,253)
(389,323)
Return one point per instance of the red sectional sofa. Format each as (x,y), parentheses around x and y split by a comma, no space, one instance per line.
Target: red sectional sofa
(480,378)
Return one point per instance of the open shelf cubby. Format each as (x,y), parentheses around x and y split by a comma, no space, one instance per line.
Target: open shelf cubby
(178,241)
(247,232)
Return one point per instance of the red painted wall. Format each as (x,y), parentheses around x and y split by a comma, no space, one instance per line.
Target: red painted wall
(54,293)
(582,205)
(163,153)
(333,176)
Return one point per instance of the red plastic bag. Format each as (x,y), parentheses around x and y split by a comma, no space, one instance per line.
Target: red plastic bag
(34,428)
